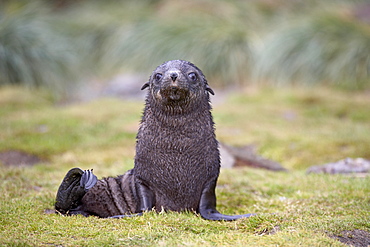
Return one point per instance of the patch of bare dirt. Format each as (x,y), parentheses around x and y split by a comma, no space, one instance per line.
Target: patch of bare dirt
(358,238)
(18,158)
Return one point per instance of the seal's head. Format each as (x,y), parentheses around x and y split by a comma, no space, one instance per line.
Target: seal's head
(177,81)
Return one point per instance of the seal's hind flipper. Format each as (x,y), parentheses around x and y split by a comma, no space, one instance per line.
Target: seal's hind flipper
(73,187)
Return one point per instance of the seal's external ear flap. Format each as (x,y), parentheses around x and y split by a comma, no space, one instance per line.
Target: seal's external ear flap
(210,90)
(146,84)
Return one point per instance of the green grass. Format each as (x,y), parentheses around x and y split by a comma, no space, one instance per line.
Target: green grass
(297,127)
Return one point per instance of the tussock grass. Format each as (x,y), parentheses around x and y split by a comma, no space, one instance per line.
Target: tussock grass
(293,208)
(329,46)
(234,42)
(32,50)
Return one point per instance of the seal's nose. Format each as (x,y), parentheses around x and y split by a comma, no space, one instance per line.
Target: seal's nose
(174,76)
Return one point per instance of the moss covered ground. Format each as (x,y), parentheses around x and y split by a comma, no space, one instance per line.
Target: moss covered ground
(297,127)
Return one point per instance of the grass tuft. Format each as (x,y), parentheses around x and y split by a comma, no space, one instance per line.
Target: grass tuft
(32,51)
(325,47)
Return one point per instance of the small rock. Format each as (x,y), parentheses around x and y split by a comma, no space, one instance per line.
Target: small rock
(49,211)
(348,165)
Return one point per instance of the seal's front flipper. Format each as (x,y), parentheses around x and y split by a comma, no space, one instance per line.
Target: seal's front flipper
(215,215)
(207,206)
(73,187)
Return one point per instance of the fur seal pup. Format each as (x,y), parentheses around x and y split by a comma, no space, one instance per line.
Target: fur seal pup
(177,161)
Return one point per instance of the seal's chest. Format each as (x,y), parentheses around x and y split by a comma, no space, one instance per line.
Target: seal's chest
(179,196)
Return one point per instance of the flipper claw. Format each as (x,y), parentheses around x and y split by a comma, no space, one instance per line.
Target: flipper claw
(88,180)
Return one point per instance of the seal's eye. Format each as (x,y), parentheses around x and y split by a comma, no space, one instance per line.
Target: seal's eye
(192,76)
(158,76)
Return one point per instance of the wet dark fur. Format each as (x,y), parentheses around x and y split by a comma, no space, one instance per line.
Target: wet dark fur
(177,160)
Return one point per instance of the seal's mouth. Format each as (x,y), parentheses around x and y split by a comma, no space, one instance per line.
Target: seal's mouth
(173,93)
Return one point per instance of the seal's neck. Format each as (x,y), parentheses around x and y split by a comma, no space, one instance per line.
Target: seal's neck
(178,113)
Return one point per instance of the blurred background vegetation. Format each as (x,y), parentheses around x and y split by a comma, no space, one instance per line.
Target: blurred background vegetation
(58,44)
